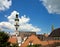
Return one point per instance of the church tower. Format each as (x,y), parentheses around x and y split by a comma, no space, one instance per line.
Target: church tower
(16,24)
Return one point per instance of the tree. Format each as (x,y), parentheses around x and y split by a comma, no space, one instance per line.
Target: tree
(4,37)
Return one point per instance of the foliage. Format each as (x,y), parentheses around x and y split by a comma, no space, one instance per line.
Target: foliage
(36,45)
(4,39)
(14,45)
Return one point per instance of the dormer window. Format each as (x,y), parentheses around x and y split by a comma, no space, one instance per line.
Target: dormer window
(30,43)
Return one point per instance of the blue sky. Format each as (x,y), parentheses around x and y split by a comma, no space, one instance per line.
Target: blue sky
(36,11)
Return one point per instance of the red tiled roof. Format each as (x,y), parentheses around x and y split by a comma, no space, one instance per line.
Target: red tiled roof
(13,40)
(32,38)
(35,40)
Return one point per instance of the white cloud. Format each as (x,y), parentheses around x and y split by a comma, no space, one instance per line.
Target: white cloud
(53,6)
(28,27)
(12,17)
(23,22)
(6,25)
(5,4)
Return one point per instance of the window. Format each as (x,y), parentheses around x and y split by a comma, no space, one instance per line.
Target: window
(30,43)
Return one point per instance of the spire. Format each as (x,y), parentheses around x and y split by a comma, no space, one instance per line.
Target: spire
(52,27)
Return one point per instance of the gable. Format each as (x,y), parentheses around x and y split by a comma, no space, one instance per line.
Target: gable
(32,38)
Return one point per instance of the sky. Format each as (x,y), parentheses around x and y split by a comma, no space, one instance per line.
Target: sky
(34,15)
